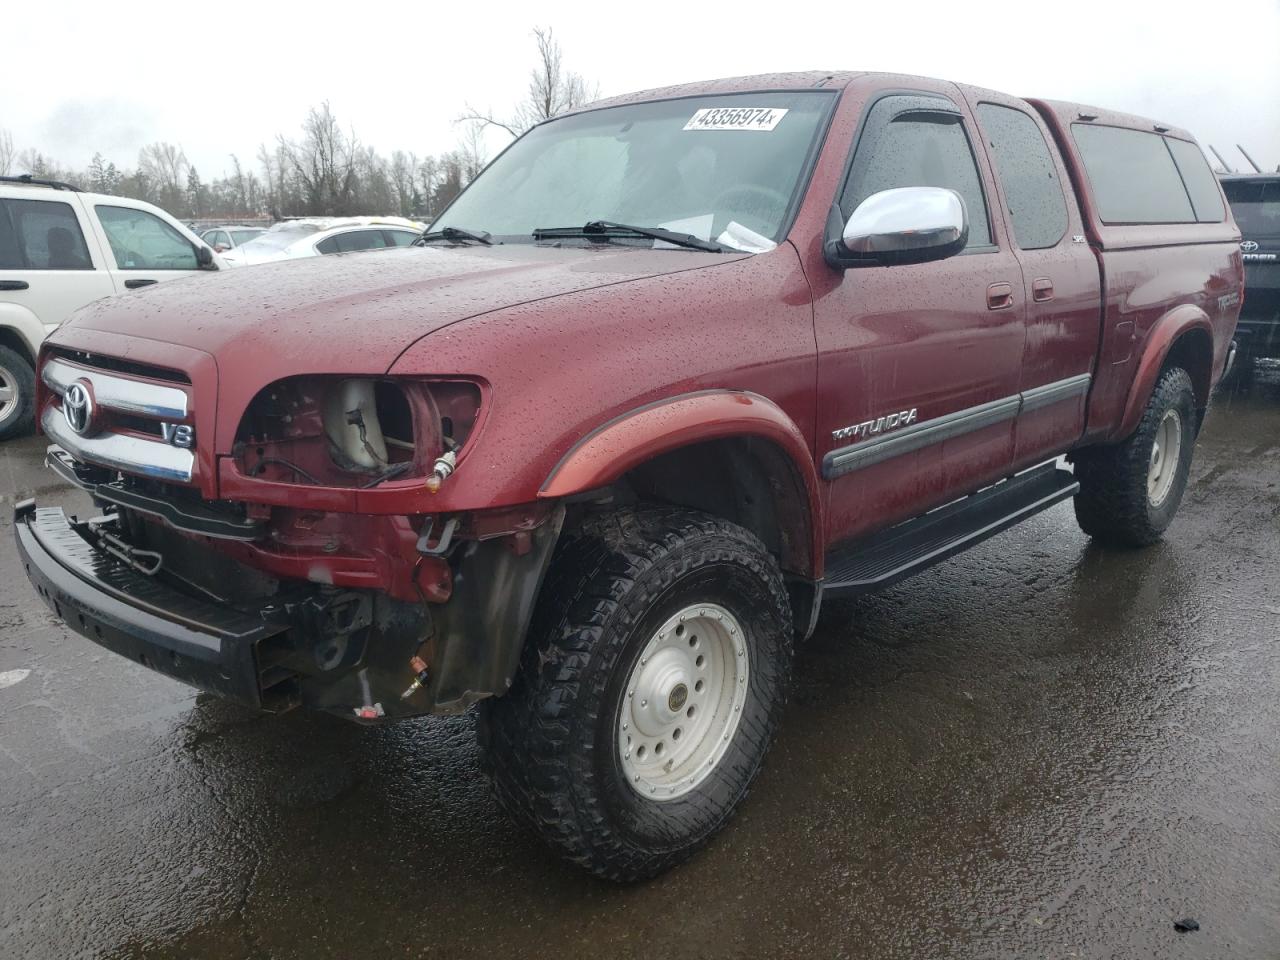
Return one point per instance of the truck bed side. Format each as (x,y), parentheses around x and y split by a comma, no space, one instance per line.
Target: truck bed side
(1168,287)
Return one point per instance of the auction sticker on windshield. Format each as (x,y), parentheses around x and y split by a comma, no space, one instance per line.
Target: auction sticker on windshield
(736,118)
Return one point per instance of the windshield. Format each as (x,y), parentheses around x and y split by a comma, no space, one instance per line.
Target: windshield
(244,236)
(1256,206)
(723,168)
(281,235)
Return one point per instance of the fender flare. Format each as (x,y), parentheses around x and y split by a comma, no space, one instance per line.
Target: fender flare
(614,448)
(1164,333)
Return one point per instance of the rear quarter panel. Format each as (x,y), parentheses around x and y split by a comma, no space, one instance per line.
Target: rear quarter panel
(1154,296)
(1159,282)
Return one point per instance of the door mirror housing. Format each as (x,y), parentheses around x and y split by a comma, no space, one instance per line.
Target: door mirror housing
(902,225)
(204,257)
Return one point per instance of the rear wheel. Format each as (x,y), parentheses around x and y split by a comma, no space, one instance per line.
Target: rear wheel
(17,394)
(648,694)
(1129,493)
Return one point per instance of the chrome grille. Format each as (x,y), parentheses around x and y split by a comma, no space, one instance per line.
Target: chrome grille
(126,400)
(118,393)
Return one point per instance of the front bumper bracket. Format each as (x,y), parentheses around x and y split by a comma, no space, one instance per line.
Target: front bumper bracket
(205,644)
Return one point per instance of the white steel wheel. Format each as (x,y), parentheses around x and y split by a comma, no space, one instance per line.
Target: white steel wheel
(1166,454)
(683,702)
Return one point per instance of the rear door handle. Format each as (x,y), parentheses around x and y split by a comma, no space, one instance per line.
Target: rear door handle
(999,296)
(14,285)
(135,284)
(1041,289)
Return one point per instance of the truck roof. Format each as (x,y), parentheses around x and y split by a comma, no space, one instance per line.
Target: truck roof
(827,79)
(1069,113)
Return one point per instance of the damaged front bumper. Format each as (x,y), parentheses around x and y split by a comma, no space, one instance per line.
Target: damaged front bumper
(210,646)
(348,652)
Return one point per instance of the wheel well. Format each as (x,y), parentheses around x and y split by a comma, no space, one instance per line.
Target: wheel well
(16,342)
(746,480)
(1193,352)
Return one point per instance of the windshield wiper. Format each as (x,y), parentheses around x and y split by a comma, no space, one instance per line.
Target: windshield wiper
(455,234)
(607,229)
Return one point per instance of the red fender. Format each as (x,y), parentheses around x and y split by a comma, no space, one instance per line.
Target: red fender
(614,448)
(1181,319)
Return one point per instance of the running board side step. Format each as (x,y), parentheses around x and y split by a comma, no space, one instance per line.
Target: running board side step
(910,547)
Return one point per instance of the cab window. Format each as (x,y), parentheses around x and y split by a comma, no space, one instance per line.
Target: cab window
(917,141)
(41,235)
(1037,208)
(142,241)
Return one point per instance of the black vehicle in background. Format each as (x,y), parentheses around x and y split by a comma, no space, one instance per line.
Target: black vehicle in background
(1255,203)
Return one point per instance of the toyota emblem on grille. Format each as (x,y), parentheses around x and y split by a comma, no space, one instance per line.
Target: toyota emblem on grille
(1249,246)
(77,407)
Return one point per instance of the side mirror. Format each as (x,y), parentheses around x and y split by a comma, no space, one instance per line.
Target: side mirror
(204,257)
(902,225)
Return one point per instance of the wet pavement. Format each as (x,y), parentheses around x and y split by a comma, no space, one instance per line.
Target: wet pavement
(1037,749)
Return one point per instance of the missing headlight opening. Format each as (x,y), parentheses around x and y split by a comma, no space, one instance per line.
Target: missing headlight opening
(353,431)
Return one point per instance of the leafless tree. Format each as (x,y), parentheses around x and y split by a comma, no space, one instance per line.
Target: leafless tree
(164,167)
(34,162)
(7,152)
(239,184)
(325,161)
(428,179)
(164,163)
(552,90)
(471,152)
(403,169)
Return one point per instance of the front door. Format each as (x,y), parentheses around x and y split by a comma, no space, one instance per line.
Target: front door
(918,364)
(145,248)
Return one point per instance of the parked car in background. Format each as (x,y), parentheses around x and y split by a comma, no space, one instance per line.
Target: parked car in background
(671,370)
(1255,203)
(61,248)
(227,238)
(295,239)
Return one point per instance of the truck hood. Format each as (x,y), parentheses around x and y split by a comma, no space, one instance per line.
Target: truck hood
(356,313)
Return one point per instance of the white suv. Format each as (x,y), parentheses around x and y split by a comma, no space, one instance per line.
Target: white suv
(61,248)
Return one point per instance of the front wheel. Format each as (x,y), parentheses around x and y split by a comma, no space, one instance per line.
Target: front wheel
(1130,492)
(649,691)
(17,394)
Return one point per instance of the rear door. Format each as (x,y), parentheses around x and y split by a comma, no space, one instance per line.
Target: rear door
(918,364)
(48,266)
(1061,280)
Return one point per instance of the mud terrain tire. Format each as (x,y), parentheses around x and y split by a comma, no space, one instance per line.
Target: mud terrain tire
(554,746)
(1125,499)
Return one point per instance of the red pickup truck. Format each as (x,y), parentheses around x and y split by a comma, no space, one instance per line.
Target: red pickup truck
(675,367)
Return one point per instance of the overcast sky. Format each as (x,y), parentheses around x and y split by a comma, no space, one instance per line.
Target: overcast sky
(220,79)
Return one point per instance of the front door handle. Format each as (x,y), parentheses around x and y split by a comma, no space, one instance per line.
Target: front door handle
(1041,289)
(14,285)
(999,296)
(135,284)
